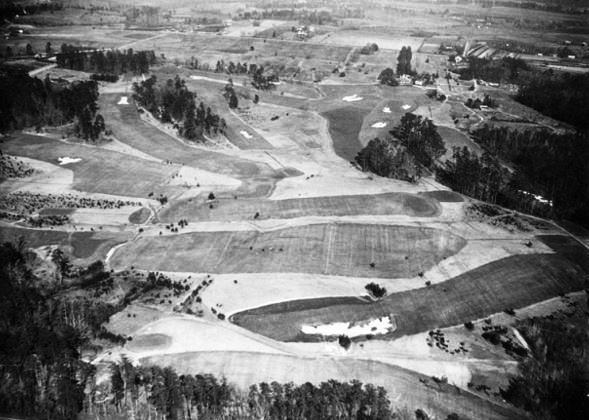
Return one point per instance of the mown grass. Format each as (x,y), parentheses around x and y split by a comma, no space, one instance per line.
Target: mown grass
(336,249)
(228,208)
(512,282)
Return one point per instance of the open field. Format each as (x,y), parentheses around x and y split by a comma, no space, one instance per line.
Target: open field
(512,282)
(338,249)
(246,209)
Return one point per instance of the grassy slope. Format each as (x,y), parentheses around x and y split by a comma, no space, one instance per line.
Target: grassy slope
(338,249)
(511,282)
(130,129)
(231,209)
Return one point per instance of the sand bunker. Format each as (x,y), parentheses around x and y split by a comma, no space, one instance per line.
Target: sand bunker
(376,326)
(352,98)
(65,160)
(246,134)
(123,101)
(386,110)
(406,107)
(379,125)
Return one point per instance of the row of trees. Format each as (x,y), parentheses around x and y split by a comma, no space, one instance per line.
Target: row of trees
(172,102)
(111,61)
(404,61)
(144,391)
(38,103)
(410,150)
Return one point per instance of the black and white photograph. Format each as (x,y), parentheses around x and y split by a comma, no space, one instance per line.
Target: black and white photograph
(294,210)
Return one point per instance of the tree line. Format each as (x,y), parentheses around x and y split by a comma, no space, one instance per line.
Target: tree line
(38,103)
(147,391)
(111,61)
(172,102)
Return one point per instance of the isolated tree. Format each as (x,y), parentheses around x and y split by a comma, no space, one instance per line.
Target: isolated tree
(404,61)
(48,48)
(387,77)
(29,50)
(233,102)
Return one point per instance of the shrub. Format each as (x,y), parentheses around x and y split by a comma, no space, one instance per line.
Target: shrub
(469,325)
(376,290)
(344,341)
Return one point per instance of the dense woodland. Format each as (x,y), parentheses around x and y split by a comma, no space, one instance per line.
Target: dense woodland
(43,102)
(554,383)
(561,96)
(553,166)
(172,102)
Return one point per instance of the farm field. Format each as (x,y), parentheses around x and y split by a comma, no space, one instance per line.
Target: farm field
(338,249)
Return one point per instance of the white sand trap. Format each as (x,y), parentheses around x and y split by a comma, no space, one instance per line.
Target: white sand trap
(379,125)
(376,326)
(406,107)
(246,134)
(386,110)
(353,98)
(65,160)
(123,101)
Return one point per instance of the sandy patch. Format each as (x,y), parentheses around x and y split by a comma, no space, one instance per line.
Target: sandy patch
(352,98)
(102,217)
(405,107)
(386,110)
(245,134)
(379,125)
(66,160)
(123,101)
(375,326)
